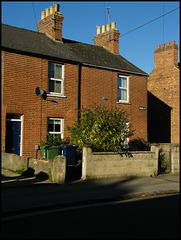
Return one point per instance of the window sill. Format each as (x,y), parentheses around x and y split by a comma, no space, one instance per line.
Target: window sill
(54,95)
(128,103)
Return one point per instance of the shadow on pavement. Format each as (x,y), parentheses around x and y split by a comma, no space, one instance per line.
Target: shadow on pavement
(27,178)
(22,195)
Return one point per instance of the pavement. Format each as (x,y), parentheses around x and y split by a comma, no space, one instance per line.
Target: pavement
(26,194)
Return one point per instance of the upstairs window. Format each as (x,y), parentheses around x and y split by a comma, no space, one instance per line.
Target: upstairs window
(55,79)
(123,89)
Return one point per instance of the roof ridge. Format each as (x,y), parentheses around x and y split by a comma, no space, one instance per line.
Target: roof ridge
(74,41)
(29,30)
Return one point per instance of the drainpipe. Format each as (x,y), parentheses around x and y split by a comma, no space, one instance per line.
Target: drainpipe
(78,89)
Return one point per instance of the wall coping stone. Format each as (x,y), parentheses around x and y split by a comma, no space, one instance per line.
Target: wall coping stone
(116,153)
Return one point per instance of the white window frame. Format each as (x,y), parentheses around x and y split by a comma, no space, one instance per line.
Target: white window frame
(61,124)
(56,79)
(124,88)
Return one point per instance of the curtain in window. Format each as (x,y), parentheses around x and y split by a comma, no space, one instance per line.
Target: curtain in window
(57,87)
(123,94)
(122,82)
(58,72)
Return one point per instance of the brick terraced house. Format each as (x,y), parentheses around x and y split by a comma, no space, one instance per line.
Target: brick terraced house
(72,75)
(164,96)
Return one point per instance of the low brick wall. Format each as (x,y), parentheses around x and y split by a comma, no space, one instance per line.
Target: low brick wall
(111,165)
(56,168)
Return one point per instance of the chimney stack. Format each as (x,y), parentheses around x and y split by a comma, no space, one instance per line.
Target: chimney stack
(51,22)
(166,55)
(108,38)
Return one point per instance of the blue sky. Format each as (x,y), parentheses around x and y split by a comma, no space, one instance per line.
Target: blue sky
(81,18)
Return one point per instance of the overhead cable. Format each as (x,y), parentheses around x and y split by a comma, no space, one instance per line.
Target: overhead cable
(34,14)
(148,22)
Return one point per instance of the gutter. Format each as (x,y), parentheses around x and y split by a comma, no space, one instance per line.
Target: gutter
(114,69)
(39,55)
(71,61)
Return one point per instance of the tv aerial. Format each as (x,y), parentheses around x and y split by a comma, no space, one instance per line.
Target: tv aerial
(107,9)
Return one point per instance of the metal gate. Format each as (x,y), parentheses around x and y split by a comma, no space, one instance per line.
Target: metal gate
(164,161)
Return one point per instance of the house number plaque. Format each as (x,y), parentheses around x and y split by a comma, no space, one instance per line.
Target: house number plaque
(142,108)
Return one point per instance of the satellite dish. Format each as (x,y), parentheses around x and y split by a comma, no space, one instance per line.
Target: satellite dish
(39,91)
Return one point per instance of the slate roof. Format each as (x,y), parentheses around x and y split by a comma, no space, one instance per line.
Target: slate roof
(39,44)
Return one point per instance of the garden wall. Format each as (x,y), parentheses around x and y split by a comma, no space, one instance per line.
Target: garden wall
(56,169)
(111,165)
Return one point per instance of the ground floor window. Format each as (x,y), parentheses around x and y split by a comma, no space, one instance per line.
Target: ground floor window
(126,141)
(55,126)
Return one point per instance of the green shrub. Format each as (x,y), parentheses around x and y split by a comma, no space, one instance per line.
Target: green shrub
(53,140)
(102,129)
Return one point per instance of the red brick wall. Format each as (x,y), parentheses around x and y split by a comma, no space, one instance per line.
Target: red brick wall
(97,83)
(3,108)
(21,74)
(164,83)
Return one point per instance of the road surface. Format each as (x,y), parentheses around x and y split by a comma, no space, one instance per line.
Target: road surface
(154,218)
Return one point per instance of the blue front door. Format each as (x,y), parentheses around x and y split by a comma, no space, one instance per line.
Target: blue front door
(13,137)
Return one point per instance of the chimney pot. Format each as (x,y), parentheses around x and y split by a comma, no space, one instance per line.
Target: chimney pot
(158,46)
(173,42)
(168,43)
(42,15)
(51,10)
(113,25)
(47,12)
(108,27)
(163,44)
(98,29)
(56,7)
(103,28)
